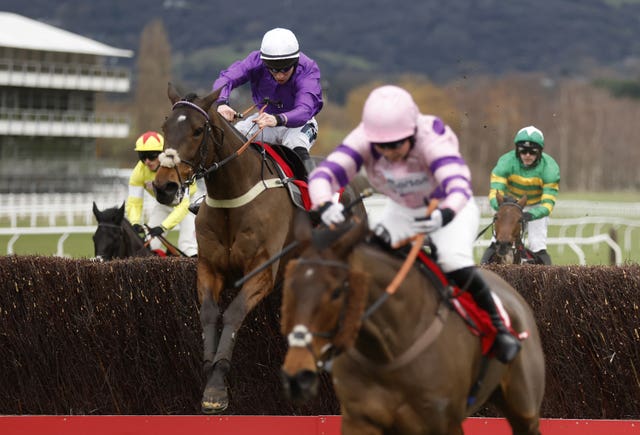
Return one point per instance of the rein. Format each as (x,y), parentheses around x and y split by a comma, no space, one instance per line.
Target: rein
(300,336)
(518,244)
(199,170)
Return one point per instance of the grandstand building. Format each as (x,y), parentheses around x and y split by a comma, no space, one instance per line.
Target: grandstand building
(50,81)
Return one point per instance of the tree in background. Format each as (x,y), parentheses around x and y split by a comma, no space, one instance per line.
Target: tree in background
(153,73)
(591,133)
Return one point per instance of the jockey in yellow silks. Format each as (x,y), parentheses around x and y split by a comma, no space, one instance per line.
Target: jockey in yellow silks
(162,218)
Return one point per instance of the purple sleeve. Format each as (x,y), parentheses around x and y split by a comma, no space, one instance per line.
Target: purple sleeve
(237,74)
(308,93)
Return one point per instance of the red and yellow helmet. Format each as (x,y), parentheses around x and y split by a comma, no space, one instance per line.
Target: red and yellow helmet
(150,141)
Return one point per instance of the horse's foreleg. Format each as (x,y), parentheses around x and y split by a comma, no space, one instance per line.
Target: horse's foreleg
(208,292)
(209,314)
(233,316)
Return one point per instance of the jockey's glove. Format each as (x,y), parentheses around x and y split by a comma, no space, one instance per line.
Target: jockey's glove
(138,228)
(526,216)
(331,213)
(156,231)
(436,220)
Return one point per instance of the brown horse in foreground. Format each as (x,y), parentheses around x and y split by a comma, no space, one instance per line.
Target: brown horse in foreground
(409,366)
(245,220)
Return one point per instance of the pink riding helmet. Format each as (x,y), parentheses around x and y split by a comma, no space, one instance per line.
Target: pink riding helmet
(389,114)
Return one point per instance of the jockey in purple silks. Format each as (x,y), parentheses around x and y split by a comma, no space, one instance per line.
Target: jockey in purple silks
(288,82)
(413,158)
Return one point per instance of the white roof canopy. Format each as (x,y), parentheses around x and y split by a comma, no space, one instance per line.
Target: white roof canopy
(17,31)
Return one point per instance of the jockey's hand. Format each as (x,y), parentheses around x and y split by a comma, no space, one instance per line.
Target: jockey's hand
(526,216)
(436,220)
(138,228)
(331,213)
(266,120)
(156,231)
(227,112)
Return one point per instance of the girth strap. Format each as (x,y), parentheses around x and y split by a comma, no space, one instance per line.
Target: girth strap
(427,337)
(245,198)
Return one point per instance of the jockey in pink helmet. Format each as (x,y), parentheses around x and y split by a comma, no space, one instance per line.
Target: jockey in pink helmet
(413,158)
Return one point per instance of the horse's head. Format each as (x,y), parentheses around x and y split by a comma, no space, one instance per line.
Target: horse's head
(188,145)
(108,238)
(508,225)
(323,301)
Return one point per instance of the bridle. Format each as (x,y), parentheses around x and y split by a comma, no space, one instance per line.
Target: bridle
(120,235)
(301,336)
(518,243)
(199,170)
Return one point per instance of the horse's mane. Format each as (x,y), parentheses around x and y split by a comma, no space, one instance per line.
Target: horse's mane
(109,214)
(112,215)
(509,198)
(190,97)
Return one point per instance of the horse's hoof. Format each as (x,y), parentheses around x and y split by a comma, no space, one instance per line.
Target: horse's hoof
(211,408)
(214,401)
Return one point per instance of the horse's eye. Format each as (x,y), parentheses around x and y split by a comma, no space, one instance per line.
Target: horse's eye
(336,293)
(198,131)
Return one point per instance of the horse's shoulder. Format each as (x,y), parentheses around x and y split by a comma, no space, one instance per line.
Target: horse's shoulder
(512,300)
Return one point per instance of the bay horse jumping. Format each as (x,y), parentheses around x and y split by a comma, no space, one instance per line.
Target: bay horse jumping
(245,220)
(115,237)
(401,363)
(508,232)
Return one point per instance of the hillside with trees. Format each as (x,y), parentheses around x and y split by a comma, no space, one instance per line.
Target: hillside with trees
(488,67)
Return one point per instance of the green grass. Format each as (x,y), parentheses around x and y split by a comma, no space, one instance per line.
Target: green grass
(596,254)
(81,245)
(75,246)
(626,196)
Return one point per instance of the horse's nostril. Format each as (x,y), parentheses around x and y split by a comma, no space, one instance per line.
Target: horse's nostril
(166,193)
(300,387)
(306,379)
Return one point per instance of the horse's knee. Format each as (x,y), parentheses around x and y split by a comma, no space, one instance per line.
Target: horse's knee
(209,312)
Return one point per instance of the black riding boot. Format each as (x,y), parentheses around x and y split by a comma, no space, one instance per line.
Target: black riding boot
(544,256)
(195,206)
(307,161)
(506,346)
(486,257)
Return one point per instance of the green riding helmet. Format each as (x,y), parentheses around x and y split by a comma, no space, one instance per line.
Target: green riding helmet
(529,139)
(530,134)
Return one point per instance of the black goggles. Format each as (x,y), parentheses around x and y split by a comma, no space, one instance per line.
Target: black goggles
(528,150)
(390,145)
(280,70)
(148,155)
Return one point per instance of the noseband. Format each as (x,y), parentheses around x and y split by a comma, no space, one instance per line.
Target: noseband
(110,225)
(517,244)
(300,336)
(197,170)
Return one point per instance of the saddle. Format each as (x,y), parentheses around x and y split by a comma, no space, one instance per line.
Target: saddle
(460,301)
(290,170)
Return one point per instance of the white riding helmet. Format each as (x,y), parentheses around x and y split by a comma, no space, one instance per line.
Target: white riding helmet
(278,44)
(389,115)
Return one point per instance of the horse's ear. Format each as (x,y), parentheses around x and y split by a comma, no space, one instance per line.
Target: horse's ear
(301,226)
(499,197)
(344,245)
(522,201)
(210,99)
(120,213)
(173,94)
(96,212)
